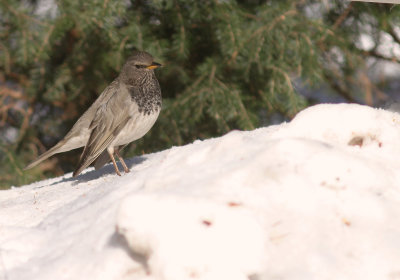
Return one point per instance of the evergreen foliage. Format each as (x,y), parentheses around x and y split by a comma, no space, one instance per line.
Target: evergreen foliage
(227,65)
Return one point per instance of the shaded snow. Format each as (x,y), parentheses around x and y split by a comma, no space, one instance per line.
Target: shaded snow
(316,198)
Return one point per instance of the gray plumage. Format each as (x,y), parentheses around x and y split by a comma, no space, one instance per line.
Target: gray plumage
(124,112)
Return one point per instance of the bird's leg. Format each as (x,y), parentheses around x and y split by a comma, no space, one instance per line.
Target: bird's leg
(126,169)
(115,164)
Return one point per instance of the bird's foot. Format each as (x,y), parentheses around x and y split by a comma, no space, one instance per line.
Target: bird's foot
(121,160)
(115,164)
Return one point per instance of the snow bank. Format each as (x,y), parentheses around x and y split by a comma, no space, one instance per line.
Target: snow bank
(316,198)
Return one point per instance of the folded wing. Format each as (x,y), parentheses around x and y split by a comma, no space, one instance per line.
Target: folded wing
(110,118)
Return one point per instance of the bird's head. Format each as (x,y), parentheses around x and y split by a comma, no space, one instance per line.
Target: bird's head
(138,66)
(141,61)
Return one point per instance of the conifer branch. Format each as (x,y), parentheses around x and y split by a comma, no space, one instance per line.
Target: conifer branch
(393,33)
(375,54)
(24,15)
(7,58)
(343,16)
(181,29)
(341,91)
(45,43)
(271,25)
(235,51)
(12,160)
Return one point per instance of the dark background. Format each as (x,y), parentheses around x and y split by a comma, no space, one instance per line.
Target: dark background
(227,65)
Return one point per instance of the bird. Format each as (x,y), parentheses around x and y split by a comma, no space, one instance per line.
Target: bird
(124,112)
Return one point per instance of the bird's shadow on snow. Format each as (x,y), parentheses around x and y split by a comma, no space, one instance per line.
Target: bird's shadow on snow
(117,240)
(108,169)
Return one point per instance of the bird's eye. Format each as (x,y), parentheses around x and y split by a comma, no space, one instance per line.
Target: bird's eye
(140,66)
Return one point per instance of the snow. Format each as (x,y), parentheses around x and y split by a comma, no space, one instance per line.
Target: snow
(316,198)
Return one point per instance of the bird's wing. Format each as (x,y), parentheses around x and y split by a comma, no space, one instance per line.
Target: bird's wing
(81,124)
(109,119)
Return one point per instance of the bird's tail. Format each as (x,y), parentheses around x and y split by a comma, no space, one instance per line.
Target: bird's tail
(46,155)
(103,159)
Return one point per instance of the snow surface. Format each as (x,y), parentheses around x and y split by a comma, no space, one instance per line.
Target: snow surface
(316,198)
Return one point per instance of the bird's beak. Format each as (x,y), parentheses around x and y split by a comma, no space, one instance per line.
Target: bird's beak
(154,65)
